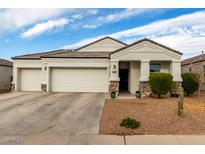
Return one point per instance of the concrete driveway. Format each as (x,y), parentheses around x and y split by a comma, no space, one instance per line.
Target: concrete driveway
(33,113)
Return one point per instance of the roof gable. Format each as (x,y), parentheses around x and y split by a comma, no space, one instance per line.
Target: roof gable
(106,44)
(148,40)
(146,49)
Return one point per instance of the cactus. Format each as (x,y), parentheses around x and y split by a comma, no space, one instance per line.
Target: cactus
(181,102)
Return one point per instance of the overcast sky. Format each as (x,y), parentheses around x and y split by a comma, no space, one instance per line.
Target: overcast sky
(24,31)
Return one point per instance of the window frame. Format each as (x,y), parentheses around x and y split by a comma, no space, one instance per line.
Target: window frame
(155,64)
(190,69)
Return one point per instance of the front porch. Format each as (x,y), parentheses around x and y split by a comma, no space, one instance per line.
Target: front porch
(132,76)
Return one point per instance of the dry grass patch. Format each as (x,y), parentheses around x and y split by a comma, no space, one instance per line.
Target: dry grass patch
(157,116)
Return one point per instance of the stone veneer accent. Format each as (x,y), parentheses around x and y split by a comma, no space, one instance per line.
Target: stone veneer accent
(44,87)
(145,89)
(114,86)
(5,90)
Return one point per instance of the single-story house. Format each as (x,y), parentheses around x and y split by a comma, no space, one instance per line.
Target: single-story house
(5,75)
(101,66)
(195,64)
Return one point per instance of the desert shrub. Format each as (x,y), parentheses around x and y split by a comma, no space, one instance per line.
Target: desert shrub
(130,123)
(190,82)
(137,94)
(161,83)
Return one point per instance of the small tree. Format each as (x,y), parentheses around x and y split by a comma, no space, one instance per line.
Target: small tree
(181,102)
(190,82)
(161,83)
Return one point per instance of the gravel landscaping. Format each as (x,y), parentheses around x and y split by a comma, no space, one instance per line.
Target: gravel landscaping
(157,116)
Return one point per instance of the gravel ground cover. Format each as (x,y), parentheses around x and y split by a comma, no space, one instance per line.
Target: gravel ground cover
(157,116)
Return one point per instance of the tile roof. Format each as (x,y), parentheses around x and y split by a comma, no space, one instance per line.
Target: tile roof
(4,62)
(194,59)
(39,55)
(74,54)
(66,53)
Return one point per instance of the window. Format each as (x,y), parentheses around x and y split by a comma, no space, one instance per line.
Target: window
(190,70)
(204,69)
(155,67)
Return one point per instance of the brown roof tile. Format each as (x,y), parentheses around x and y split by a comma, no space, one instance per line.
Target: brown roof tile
(39,55)
(194,59)
(4,62)
(74,54)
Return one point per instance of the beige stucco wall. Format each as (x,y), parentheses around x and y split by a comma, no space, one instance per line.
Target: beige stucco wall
(47,63)
(5,77)
(134,75)
(164,65)
(105,45)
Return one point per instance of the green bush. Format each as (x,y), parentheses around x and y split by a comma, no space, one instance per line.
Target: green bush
(190,82)
(130,123)
(113,94)
(137,94)
(161,83)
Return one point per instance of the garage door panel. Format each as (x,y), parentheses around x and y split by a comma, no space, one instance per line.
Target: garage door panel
(79,80)
(30,79)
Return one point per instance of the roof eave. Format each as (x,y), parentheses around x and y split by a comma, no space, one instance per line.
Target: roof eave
(79,57)
(21,58)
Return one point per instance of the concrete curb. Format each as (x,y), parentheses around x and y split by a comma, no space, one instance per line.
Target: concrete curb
(45,139)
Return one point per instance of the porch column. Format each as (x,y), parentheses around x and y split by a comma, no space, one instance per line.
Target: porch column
(144,78)
(175,70)
(144,70)
(114,77)
(15,83)
(48,78)
(44,82)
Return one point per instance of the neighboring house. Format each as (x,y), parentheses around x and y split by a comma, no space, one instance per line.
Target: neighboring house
(101,66)
(5,75)
(196,65)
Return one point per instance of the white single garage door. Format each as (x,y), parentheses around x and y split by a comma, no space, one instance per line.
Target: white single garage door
(30,79)
(79,80)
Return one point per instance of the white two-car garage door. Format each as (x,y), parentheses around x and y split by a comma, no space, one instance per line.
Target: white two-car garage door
(30,79)
(79,80)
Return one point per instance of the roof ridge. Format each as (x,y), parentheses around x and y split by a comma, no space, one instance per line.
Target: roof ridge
(40,53)
(194,57)
(4,60)
(44,52)
(57,52)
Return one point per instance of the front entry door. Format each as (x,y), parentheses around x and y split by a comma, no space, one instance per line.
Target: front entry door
(123,74)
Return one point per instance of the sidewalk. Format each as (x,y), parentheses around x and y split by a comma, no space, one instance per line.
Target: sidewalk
(109,140)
